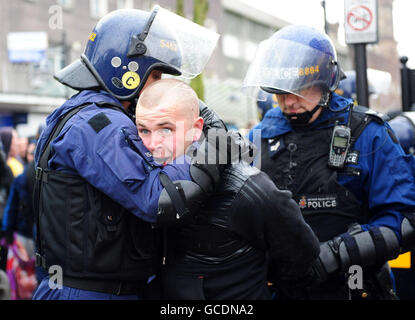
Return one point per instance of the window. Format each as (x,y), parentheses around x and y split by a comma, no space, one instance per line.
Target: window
(250,49)
(98,8)
(231,46)
(125,4)
(147,4)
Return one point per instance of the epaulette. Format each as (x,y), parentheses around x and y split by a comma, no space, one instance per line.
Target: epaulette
(377,116)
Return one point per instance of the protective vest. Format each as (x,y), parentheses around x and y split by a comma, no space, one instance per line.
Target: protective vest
(83,231)
(298,161)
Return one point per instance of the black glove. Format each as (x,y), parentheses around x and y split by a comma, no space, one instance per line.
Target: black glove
(218,149)
(210,118)
(327,263)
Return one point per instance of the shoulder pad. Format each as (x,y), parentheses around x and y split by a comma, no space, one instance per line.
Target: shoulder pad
(377,116)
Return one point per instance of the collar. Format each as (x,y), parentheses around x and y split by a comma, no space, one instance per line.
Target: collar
(81,98)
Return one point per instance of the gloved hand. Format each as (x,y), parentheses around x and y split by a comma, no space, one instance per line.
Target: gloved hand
(218,149)
(328,261)
(210,118)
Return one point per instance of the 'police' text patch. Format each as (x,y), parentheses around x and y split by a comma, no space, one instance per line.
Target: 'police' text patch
(352,157)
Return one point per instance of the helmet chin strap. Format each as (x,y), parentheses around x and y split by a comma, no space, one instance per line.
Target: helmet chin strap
(131,108)
(300,120)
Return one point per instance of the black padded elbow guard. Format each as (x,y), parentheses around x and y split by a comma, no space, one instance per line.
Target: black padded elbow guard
(368,248)
(177,200)
(356,247)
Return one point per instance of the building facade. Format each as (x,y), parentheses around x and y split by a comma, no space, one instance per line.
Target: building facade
(28,92)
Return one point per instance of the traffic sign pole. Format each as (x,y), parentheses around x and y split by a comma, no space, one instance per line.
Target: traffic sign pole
(361,28)
(362,88)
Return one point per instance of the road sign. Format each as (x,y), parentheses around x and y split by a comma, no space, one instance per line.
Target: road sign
(360,21)
(27,46)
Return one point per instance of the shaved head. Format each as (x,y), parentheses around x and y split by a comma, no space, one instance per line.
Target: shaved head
(168,94)
(168,120)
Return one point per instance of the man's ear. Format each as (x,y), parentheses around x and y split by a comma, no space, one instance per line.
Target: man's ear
(197,128)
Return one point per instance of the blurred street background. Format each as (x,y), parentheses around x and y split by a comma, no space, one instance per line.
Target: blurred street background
(39,37)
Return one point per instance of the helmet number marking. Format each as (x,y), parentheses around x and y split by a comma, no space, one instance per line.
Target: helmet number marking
(92,36)
(171,45)
(308,70)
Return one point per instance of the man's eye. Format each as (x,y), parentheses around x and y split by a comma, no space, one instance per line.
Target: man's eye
(143,131)
(165,131)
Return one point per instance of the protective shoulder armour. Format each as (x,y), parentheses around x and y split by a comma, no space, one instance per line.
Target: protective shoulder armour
(361,117)
(377,116)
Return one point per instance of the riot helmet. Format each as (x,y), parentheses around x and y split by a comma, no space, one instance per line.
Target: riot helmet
(347,86)
(404,127)
(127,44)
(293,59)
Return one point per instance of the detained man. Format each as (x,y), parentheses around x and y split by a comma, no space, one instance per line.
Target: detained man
(247,233)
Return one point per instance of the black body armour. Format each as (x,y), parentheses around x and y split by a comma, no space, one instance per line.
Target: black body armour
(89,235)
(298,161)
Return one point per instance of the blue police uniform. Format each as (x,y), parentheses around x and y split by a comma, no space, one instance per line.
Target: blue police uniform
(386,186)
(378,174)
(97,188)
(102,146)
(106,160)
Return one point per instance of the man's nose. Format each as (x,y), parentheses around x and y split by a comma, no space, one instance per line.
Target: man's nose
(290,99)
(155,141)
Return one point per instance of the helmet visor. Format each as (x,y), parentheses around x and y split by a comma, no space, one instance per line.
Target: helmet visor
(180,43)
(285,66)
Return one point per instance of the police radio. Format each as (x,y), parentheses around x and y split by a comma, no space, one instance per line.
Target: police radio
(339,146)
(340,142)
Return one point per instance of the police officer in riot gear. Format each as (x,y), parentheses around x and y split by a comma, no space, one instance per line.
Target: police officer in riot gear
(97,187)
(345,168)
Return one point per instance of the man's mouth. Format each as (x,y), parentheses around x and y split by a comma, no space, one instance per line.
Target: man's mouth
(294,110)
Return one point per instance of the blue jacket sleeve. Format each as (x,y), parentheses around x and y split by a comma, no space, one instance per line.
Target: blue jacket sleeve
(387,180)
(115,161)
